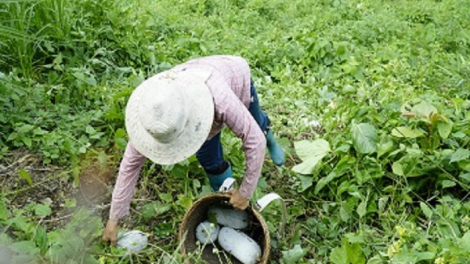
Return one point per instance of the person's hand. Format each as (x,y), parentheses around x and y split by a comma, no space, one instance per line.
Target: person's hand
(237,200)
(110,232)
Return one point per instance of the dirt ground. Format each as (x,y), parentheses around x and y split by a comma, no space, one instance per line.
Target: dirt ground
(54,185)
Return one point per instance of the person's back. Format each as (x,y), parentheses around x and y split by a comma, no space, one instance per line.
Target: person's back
(181,112)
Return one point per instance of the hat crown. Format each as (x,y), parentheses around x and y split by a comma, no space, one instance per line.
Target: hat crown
(169,115)
(163,113)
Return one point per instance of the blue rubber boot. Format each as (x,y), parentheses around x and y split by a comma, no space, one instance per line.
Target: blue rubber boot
(275,150)
(216,180)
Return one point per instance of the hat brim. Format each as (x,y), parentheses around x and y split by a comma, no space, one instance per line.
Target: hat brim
(198,98)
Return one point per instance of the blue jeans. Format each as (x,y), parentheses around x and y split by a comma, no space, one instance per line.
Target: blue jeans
(210,155)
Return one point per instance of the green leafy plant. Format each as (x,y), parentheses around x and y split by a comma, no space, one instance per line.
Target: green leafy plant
(370,100)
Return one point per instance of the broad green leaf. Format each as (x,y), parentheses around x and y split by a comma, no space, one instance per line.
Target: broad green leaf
(343,166)
(12,136)
(180,171)
(27,141)
(362,208)
(89,259)
(90,130)
(58,59)
(375,260)
(405,257)
(154,209)
(339,255)
(448,229)
(67,146)
(356,238)
(347,253)
(310,152)
(448,184)
(305,182)
(41,239)
(148,210)
(406,132)
(355,254)
(344,212)
(324,181)
(410,165)
(343,148)
(424,109)
(465,176)
(119,133)
(397,168)
(121,143)
(119,139)
(426,210)
(435,118)
(197,184)
(161,209)
(383,202)
(42,210)
(465,240)
(425,255)
(306,148)
(464,165)
(25,128)
(212,217)
(25,175)
(384,148)
(40,132)
(4,213)
(460,154)
(459,134)
(349,89)
(167,197)
(102,158)
(444,129)
(364,138)
(293,255)
(185,201)
(25,248)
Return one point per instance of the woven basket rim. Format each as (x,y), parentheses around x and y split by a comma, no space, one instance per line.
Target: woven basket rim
(212,197)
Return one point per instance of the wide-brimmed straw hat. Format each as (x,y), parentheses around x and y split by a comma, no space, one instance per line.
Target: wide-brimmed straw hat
(169,116)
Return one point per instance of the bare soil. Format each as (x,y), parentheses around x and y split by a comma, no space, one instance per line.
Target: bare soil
(54,185)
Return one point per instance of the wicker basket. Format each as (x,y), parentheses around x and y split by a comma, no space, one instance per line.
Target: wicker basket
(194,253)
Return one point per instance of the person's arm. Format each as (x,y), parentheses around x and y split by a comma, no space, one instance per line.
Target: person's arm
(237,117)
(129,171)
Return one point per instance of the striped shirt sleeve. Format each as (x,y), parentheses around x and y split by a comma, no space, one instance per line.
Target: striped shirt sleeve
(129,171)
(241,122)
(231,111)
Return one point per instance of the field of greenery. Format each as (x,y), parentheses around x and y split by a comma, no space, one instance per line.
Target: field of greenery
(370,99)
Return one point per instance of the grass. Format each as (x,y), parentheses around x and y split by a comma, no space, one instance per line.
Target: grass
(380,195)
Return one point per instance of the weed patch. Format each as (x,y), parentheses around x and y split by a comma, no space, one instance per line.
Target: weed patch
(370,99)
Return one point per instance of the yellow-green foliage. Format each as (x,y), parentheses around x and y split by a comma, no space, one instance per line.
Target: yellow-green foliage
(384,84)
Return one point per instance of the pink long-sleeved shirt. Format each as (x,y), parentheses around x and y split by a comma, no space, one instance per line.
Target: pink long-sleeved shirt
(230,86)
